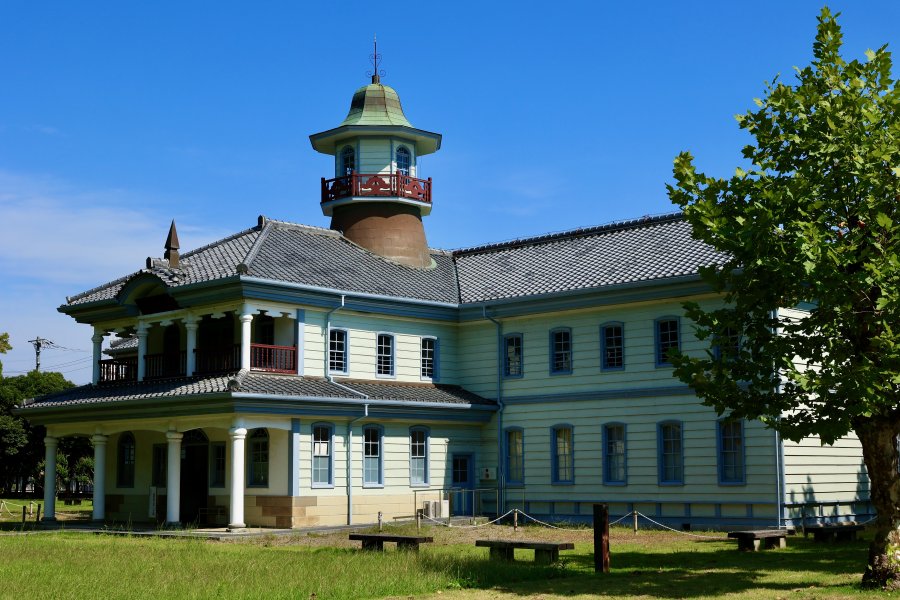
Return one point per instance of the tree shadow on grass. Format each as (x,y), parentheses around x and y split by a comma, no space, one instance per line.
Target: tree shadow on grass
(678,574)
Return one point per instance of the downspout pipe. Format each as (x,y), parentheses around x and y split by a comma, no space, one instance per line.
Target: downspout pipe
(350,463)
(501,475)
(330,378)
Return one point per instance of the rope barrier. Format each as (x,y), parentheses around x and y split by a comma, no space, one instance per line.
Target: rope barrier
(468,526)
(538,521)
(706,537)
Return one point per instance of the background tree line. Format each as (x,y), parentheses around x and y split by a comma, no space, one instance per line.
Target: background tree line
(22,445)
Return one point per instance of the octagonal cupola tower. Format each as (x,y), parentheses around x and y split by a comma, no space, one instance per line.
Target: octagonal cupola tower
(377,197)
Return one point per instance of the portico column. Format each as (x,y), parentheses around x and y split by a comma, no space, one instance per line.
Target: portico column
(173,478)
(99,442)
(50,444)
(238,435)
(142,350)
(246,319)
(190,326)
(97,339)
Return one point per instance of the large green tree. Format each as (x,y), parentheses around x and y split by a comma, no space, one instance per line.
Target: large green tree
(813,222)
(21,445)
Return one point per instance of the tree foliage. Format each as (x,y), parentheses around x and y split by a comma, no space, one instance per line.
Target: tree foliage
(814,223)
(21,445)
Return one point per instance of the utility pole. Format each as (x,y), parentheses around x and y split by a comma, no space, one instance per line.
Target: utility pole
(38,343)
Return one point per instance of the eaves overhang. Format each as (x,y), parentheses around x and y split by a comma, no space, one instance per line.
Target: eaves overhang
(246,402)
(326,142)
(636,291)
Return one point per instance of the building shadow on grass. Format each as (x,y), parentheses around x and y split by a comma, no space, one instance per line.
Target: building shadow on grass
(679,574)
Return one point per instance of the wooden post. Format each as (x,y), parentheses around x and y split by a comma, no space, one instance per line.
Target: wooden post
(601,538)
(418,519)
(37,517)
(516,520)
(634,515)
(23,515)
(380,521)
(449,507)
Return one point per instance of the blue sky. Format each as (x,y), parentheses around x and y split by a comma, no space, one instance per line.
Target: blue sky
(116,117)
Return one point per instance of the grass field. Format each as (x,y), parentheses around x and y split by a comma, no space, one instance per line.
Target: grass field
(651,564)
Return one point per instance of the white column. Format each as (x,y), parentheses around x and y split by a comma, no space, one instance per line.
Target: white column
(190,326)
(142,350)
(238,435)
(246,319)
(97,339)
(50,444)
(173,478)
(99,442)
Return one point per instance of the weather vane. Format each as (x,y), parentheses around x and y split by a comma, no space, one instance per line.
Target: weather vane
(376,73)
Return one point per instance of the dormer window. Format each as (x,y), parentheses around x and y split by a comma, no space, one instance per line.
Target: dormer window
(403,160)
(348,160)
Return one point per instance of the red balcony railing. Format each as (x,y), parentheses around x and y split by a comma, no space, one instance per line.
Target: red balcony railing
(386,185)
(276,359)
(118,369)
(218,360)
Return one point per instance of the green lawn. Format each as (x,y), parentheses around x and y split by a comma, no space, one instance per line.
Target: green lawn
(649,565)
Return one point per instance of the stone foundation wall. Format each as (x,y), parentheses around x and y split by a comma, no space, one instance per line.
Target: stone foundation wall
(311,511)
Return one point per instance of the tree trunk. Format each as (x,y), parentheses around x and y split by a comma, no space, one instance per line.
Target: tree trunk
(878,436)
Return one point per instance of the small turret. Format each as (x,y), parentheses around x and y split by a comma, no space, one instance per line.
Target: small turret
(376,198)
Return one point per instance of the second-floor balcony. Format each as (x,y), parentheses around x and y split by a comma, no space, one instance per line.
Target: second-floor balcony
(263,357)
(377,185)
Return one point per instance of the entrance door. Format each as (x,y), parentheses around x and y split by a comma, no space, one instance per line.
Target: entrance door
(194,475)
(463,483)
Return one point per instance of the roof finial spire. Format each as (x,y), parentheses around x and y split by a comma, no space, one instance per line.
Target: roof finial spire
(172,247)
(376,73)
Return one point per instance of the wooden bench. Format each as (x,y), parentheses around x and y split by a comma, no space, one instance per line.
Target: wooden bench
(833,533)
(751,540)
(375,541)
(544,552)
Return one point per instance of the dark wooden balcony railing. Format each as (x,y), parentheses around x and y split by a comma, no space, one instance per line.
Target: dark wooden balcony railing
(118,369)
(218,360)
(276,359)
(263,357)
(172,364)
(387,185)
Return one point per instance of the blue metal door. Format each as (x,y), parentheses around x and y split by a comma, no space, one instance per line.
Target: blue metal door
(463,484)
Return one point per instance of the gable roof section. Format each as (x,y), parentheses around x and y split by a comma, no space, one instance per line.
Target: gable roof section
(647,249)
(324,258)
(652,248)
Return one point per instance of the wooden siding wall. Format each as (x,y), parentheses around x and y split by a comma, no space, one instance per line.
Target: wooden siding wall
(362,334)
(374,155)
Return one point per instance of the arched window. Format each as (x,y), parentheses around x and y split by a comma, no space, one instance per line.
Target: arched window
(403,160)
(259,458)
(348,160)
(125,461)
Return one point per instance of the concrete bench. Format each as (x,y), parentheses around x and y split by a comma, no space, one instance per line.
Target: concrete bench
(834,533)
(375,541)
(544,552)
(752,540)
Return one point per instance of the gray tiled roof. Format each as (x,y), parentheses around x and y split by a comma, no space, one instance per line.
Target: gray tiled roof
(652,248)
(257,383)
(324,258)
(628,252)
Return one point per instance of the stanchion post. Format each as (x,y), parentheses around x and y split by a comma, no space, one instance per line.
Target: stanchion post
(601,538)
(516,520)
(37,518)
(418,519)
(380,521)
(31,507)
(23,515)
(634,515)
(449,507)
